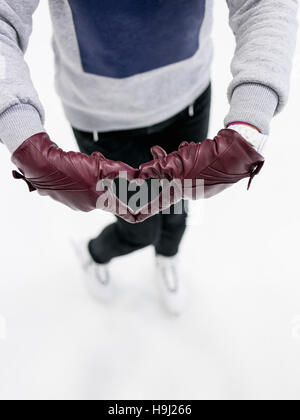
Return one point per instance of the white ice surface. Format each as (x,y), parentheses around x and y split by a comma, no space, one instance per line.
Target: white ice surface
(240,338)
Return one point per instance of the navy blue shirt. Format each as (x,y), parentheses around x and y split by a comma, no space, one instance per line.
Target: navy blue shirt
(122,38)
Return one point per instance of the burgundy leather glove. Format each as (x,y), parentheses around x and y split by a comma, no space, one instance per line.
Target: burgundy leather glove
(219,163)
(72,178)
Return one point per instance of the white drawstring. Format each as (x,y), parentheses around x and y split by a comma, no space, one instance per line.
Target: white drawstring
(96,136)
(192,110)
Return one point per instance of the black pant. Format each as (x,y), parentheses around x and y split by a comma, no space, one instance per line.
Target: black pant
(163,231)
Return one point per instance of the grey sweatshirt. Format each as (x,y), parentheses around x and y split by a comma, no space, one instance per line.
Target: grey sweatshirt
(126,64)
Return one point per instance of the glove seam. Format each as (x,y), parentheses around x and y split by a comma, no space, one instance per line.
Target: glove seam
(36,148)
(225,151)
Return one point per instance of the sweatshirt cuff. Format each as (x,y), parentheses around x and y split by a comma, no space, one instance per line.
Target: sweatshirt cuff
(18,124)
(254,104)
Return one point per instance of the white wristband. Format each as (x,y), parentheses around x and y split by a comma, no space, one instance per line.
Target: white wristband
(254,137)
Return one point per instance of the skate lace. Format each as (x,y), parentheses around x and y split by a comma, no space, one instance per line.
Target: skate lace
(102,276)
(170,277)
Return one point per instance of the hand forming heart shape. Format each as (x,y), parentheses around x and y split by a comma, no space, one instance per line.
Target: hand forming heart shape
(87,182)
(201,170)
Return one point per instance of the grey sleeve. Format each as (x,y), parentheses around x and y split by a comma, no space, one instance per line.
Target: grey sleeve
(265,32)
(21,113)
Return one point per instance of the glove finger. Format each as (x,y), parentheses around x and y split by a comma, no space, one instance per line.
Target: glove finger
(124,212)
(127,172)
(99,155)
(183,145)
(139,181)
(149,210)
(158,152)
(160,203)
(115,206)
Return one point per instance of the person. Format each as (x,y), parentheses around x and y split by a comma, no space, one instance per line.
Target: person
(133,74)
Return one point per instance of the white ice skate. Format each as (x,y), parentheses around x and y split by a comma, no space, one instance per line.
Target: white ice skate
(97,277)
(171,285)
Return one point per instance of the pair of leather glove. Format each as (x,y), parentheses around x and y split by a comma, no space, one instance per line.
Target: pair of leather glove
(85,182)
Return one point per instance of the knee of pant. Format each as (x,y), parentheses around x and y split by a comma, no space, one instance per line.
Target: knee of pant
(146,233)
